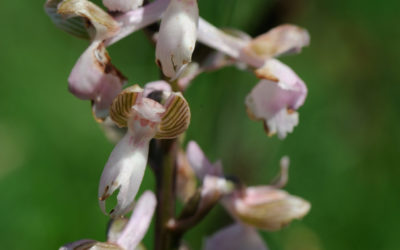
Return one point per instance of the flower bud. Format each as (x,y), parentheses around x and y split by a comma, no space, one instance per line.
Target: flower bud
(177,36)
(265,207)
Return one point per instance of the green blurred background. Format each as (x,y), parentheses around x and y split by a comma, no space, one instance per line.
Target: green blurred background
(344,153)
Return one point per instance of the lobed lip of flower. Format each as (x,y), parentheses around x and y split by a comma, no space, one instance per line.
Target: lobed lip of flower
(128,235)
(275,99)
(145,119)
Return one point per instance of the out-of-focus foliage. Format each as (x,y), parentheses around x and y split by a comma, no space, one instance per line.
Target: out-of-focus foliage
(343,153)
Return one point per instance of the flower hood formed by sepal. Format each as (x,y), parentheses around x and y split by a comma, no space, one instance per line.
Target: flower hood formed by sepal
(145,119)
(235,237)
(124,235)
(122,5)
(276,98)
(177,36)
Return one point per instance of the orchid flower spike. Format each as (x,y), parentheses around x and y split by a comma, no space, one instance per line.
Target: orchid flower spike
(123,234)
(263,207)
(145,119)
(177,36)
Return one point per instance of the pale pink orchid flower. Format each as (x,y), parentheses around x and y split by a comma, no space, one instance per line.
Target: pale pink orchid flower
(263,207)
(145,119)
(123,235)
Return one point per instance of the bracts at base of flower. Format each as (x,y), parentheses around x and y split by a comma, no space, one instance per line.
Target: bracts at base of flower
(177,36)
(145,119)
(123,234)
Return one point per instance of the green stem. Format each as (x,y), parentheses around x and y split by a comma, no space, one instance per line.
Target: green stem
(165,175)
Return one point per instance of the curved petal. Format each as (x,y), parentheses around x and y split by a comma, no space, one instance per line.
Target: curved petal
(161,86)
(275,98)
(219,40)
(177,36)
(265,207)
(235,237)
(122,5)
(124,170)
(176,118)
(283,39)
(199,162)
(105,26)
(139,222)
(95,78)
(74,26)
(137,19)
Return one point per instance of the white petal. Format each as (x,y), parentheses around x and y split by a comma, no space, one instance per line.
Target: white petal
(95,78)
(177,36)
(284,39)
(139,222)
(265,207)
(122,5)
(162,86)
(219,40)
(137,19)
(276,98)
(200,163)
(235,237)
(124,169)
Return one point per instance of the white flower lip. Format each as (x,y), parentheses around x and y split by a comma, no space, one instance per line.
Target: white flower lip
(276,98)
(145,119)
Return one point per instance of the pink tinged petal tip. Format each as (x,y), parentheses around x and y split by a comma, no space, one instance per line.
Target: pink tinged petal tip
(95,78)
(200,163)
(177,36)
(265,207)
(235,237)
(276,98)
(124,171)
(122,5)
(139,222)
